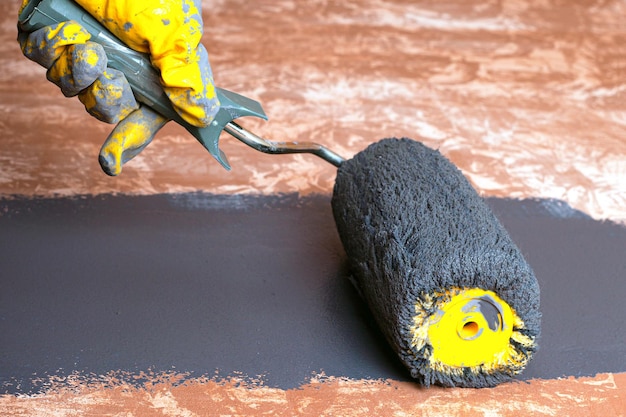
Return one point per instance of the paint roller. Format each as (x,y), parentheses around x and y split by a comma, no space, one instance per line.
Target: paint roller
(446,284)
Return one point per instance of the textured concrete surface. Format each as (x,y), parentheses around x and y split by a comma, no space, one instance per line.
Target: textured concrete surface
(527,98)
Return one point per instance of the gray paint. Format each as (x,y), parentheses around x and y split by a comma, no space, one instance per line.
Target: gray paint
(257,285)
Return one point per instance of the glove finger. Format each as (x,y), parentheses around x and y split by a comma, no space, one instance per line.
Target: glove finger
(191,88)
(129,138)
(46,45)
(109,98)
(78,67)
(185,68)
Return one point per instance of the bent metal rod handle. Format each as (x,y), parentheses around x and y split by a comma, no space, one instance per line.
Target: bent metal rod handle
(271,147)
(144,79)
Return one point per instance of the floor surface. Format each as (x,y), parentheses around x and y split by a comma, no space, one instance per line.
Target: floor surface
(170,290)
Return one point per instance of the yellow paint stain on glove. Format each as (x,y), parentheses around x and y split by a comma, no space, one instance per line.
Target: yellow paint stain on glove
(129,138)
(77,67)
(170,31)
(47,44)
(87,57)
(68,33)
(109,98)
(72,60)
(24,4)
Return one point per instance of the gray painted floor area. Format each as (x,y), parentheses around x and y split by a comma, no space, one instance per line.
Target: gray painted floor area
(258,286)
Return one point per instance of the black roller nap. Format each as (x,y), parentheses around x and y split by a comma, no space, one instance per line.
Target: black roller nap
(416,233)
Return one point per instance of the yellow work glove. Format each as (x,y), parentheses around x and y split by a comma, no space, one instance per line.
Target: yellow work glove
(170,31)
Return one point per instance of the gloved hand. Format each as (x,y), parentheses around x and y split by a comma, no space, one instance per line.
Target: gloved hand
(169,30)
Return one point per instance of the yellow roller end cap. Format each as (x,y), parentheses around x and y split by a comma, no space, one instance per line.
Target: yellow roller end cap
(473,328)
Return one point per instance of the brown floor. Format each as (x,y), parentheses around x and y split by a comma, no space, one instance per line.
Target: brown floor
(603,395)
(527,98)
